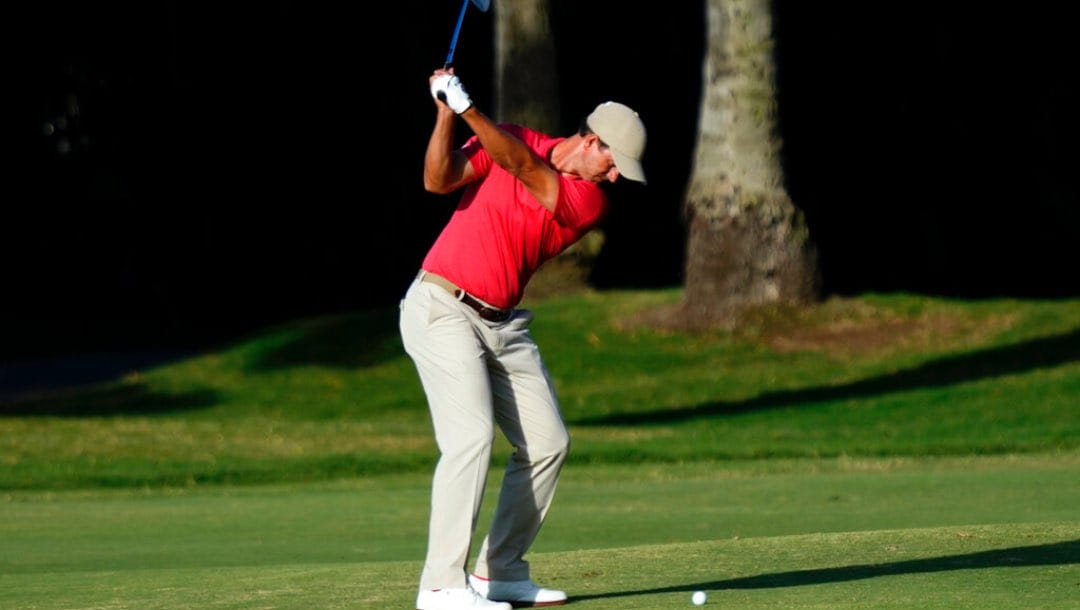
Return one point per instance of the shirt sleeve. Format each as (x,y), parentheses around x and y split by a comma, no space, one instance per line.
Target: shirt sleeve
(478,157)
(581,205)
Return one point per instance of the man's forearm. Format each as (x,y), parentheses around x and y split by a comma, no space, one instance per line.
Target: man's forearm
(439,157)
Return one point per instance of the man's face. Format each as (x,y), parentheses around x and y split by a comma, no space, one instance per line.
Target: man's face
(600,164)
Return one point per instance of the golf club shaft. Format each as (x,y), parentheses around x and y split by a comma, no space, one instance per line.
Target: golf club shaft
(457,30)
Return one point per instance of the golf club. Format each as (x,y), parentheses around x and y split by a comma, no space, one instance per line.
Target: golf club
(483,5)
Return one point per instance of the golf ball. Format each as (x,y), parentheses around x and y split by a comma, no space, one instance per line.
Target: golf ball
(698,598)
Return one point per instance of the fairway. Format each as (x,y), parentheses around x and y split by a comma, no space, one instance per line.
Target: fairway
(956,532)
(888,451)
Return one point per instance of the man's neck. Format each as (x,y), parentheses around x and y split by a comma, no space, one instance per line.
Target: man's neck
(562,154)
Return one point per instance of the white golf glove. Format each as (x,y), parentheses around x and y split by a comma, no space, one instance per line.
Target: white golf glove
(448,88)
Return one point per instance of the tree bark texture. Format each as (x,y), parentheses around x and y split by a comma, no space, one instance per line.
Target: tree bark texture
(747,243)
(526,89)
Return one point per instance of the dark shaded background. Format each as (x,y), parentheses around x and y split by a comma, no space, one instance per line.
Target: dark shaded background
(185,172)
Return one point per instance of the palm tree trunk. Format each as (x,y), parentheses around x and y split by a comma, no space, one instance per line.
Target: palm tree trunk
(526,87)
(747,243)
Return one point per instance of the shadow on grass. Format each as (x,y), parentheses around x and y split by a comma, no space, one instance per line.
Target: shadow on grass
(74,386)
(1044,352)
(136,399)
(1058,553)
(35,377)
(356,340)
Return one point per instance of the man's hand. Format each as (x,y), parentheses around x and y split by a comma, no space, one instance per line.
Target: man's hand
(448,89)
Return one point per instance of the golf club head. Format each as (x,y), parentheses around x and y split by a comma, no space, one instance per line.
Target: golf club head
(483,5)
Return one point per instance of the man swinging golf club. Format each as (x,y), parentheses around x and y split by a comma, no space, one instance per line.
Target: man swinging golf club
(527,197)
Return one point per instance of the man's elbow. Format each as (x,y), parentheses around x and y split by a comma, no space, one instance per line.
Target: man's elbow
(435,185)
(437,189)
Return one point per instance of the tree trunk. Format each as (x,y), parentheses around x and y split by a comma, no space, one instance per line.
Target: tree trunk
(747,243)
(526,89)
(526,92)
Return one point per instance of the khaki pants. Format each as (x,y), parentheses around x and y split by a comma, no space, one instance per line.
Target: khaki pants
(477,374)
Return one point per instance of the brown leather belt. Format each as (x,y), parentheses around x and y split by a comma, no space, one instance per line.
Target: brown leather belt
(485,311)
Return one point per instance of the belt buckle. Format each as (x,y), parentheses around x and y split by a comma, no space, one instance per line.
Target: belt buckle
(494,315)
(491,314)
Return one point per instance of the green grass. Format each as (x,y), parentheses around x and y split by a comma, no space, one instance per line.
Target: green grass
(817,533)
(336,397)
(1024,566)
(880,451)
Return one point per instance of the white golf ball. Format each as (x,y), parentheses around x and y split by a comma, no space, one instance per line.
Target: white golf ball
(698,598)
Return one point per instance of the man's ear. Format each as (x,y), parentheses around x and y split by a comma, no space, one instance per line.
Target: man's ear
(591,139)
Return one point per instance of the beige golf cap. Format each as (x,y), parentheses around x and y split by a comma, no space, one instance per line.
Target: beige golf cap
(621,129)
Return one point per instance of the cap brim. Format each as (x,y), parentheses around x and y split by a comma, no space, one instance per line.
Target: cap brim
(628,167)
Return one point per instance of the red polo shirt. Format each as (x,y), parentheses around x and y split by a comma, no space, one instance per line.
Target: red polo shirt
(499,235)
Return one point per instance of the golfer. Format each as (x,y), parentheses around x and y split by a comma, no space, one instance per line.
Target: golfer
(527,197)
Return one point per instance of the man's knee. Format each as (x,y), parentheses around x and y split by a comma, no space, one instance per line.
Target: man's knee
(467,441)
(551,448)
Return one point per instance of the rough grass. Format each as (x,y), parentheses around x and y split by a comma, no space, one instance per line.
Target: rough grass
(330,397)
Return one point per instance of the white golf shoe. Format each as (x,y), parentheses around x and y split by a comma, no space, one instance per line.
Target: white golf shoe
(520,593)
(456,599)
